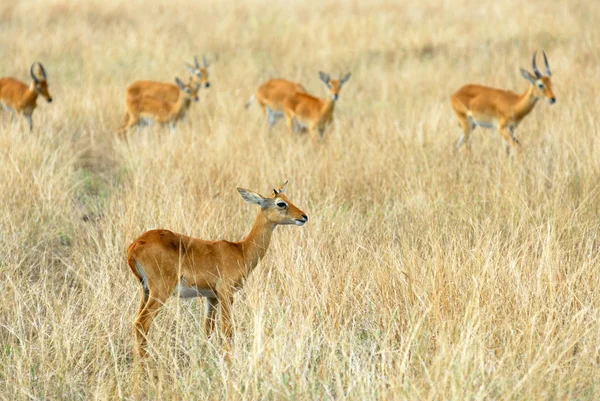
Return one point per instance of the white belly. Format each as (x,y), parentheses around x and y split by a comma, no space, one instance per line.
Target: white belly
(483,123)
(183,291)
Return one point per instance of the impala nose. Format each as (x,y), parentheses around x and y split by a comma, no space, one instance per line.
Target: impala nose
(50,100)
(305,217)
(207,85)
(552,100)
(334,96)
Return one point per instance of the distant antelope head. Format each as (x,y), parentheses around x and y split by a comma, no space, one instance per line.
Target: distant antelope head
(542,85)
(334,85)
(200,73)
(190,90)
(39,84)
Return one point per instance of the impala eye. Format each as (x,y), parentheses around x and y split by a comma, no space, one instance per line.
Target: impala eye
(541,85)
(282,205)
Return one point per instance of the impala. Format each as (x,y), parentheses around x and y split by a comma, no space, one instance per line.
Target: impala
(168,264)
(271,95)
(166,90)
(20,98)
(312,112)
(142,110)
(477,105)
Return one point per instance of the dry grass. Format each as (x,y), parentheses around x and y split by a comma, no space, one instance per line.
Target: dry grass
(420,275)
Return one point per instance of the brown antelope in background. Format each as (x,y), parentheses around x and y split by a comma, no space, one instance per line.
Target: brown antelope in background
(167,90)
(168,264)
(271,95)
(477,105)
(20,98)
(312,112)
(142,110)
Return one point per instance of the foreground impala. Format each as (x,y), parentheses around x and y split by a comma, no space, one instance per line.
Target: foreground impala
(142,110)
(271,95)
(312,112)
(502,110)
(167,90)
(20,98)
(166,264)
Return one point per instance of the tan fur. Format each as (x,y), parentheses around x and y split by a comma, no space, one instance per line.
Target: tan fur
(168,91)
(157,109)
(168,259)
(313,112)
(272,95)
(496,108)
(20,98)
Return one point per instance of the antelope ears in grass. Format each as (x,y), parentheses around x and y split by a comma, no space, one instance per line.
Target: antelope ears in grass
(346,78)
(251,197)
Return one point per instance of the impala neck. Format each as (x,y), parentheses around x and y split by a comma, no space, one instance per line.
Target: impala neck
(525,104)
(183,103)
(328,106)
(31,94)
(256,243)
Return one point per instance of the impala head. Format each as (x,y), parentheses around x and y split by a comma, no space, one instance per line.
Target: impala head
(334,85)
(277,208)
(40,85)
(190,90)
(200,72)
(542,86)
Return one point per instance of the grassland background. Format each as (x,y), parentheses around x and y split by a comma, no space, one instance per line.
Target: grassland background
(420,275)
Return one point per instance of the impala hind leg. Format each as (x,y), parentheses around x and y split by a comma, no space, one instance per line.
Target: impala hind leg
(144,319)
(144,295)
(467,128)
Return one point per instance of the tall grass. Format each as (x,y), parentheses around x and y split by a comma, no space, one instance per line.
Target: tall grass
(420,275)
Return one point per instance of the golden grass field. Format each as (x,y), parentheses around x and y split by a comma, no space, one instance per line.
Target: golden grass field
(421,274)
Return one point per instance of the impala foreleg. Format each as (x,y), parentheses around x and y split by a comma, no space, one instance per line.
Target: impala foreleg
(29,121)
(290,122)
(507,133)
(210,317)
(225,297)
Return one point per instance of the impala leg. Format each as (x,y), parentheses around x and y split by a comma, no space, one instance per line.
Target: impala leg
(271,117)
(467,128)
(29,122)
(225,299)
(508,134)
(210,316)
(290,122)
(144,294)
(144,319)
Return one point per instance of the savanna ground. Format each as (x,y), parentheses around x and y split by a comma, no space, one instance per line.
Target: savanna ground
(420,275)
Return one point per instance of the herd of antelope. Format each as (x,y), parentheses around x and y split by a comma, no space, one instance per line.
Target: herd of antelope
(169,264)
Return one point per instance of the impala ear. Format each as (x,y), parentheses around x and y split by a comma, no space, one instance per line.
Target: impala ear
(346,78)
(528,76)
(179,83)
(324,77)
(283,187)
(251,197)
(190,68)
